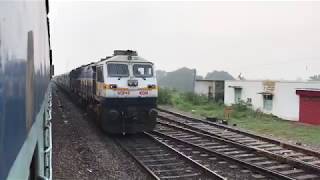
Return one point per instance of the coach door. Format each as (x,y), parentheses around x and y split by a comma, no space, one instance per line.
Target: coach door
(94,83)
(99,80)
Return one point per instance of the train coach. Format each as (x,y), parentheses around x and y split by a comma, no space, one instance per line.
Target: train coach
(121,90)
(25,92)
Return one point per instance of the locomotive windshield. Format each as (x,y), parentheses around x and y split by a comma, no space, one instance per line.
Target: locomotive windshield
(142,70)
(118,70)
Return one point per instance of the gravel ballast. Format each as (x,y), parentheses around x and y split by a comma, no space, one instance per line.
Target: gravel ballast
(81,150)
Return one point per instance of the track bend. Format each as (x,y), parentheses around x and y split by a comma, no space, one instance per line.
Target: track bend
(162,161)
(270,162)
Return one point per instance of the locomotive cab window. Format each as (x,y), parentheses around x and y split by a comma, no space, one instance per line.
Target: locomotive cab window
(118,70)
(142,70)
(100,74)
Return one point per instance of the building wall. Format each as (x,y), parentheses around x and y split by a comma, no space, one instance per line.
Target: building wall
(285,99)
(202,87)
(250,89)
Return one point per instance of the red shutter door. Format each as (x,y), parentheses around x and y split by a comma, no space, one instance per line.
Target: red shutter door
(310,109)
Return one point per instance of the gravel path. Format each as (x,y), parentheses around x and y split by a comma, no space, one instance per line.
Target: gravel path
(81,150)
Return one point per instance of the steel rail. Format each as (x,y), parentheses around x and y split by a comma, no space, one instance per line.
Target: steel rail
(230,158)
(142,165)
(193,163)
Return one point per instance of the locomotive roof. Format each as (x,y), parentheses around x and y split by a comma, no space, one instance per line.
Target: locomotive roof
(117,58)
(125,59)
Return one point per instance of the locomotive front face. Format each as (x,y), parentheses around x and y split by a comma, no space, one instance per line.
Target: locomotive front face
(128,92)
(126,80)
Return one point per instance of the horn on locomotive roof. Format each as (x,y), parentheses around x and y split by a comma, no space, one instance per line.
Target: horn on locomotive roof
(102,59)
(125,52)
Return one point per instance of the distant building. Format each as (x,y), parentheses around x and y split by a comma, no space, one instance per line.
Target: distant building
(291,100)
(213,89)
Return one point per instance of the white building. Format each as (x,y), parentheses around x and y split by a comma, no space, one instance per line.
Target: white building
(291,100)
(213,89)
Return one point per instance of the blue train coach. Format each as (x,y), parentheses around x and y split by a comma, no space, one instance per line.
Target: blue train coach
(25,95)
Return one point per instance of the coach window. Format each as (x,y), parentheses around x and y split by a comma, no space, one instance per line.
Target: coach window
(142,70)
(100,74)
(118,70)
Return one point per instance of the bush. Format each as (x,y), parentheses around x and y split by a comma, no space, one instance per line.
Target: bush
(194,98)
(220,102)
(165,96)
(241,106)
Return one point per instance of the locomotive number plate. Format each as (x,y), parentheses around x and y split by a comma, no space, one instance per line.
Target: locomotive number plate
(143,93)
(123,92)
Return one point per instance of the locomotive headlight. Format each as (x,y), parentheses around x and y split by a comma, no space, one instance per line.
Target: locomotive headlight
(112,86)
(152,86)
(113,114)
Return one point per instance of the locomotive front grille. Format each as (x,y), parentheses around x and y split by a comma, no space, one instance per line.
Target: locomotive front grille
(132,83)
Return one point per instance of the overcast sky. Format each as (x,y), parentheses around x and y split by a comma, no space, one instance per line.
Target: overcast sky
(261,40)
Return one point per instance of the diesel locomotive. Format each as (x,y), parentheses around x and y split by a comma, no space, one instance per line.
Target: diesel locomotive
(121,90)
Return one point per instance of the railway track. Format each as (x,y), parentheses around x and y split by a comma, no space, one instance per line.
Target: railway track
(295,152)
(162,161)
(284,160)
(226,166)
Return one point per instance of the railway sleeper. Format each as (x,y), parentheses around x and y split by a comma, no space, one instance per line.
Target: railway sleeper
(257,143)
(306,158)
(181,176)
(292,171)
(279,167)
(153,155)
(307,176)
(159,160)
(263,146)
(159,171)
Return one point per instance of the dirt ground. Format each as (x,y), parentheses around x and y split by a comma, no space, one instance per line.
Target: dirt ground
(81,150)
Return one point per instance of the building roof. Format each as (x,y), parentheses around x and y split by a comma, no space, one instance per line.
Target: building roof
(238,87)
(308,89)
(277,81)
(308,92)
(207,80)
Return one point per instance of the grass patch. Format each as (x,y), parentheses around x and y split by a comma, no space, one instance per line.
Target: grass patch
(245,118)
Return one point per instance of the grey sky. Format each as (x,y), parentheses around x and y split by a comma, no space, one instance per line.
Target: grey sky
(263,40)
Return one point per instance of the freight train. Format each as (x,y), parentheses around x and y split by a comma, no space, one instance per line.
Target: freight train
(25,93)
(120,89)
